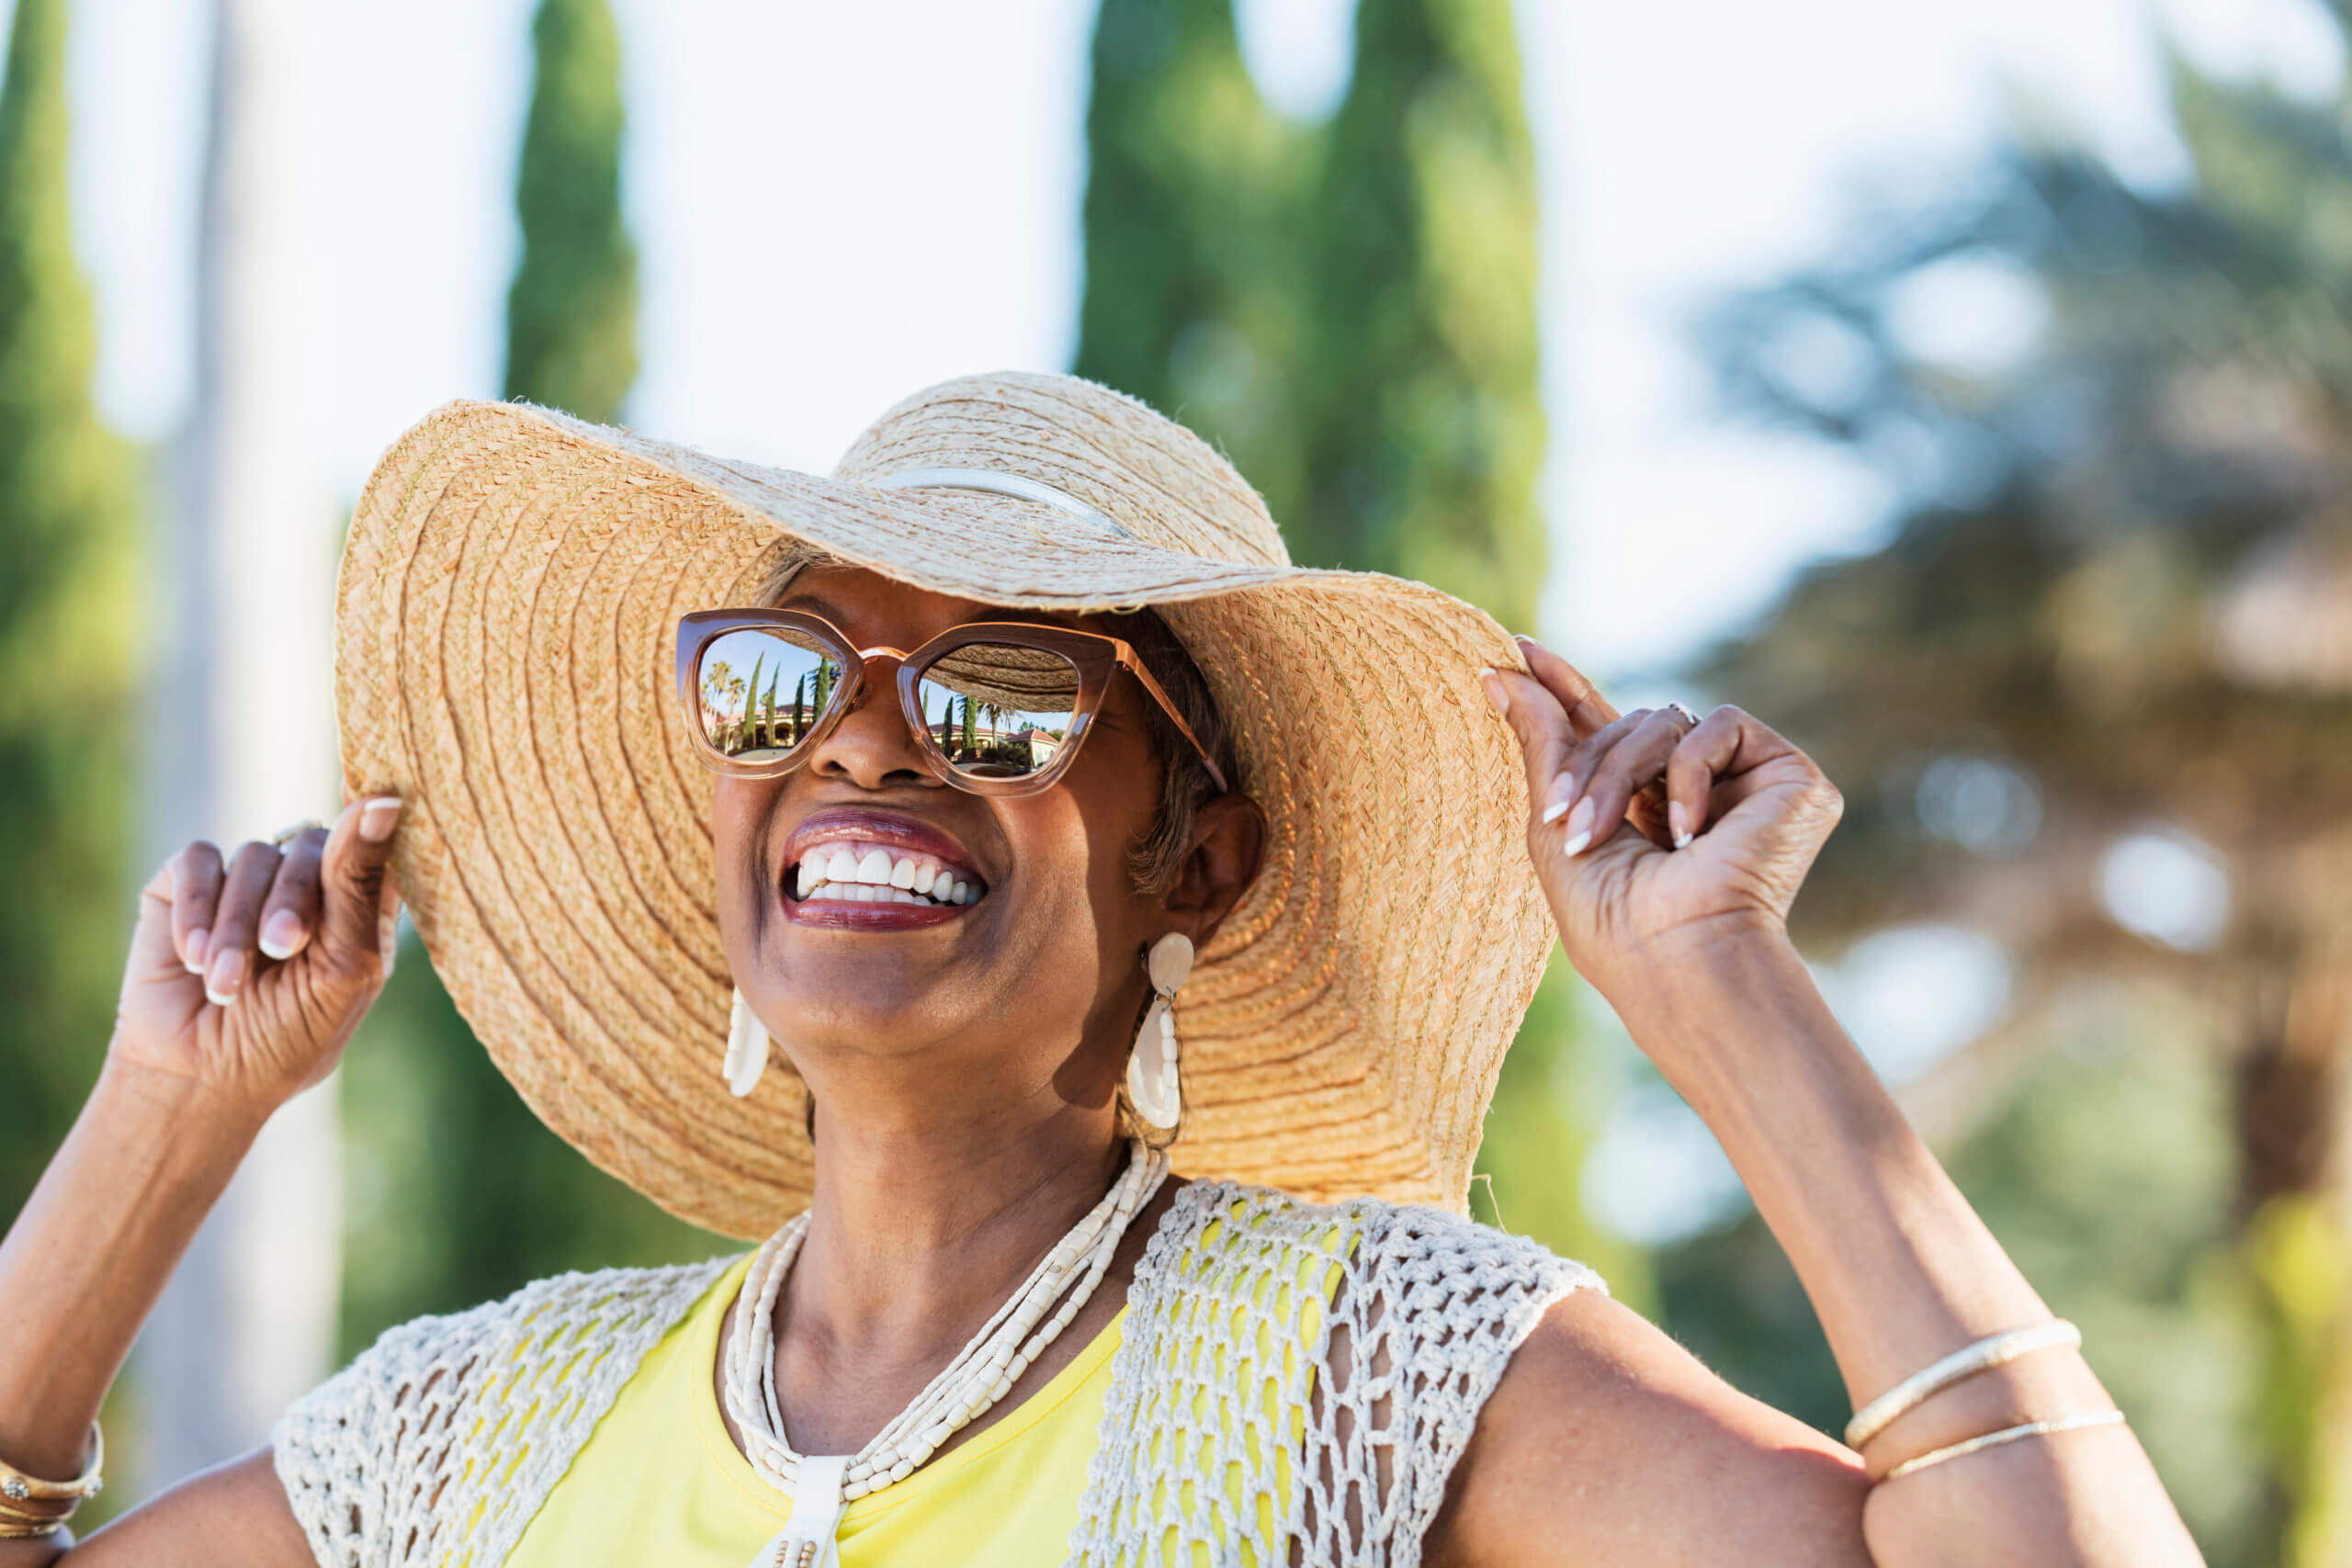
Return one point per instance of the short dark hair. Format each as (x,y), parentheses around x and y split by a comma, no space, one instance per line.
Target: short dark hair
(1185,785)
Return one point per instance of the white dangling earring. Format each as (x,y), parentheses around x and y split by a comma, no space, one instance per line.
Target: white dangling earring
(747,1049)
(1151,1070)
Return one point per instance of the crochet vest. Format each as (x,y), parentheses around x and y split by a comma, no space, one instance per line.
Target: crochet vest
(438,1443)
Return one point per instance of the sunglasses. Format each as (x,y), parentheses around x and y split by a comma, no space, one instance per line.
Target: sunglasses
(995,707)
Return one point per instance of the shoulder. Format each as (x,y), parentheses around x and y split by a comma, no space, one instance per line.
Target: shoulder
(371,1454)
(1424,1262)
(1605,1442)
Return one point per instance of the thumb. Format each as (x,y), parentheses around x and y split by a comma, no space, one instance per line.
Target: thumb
(1539,721)
(353,872)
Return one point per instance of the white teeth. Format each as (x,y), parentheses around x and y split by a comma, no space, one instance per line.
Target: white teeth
(862,872)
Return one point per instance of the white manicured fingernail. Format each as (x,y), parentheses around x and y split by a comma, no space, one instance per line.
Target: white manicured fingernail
(225,979)
(1679,823)
(377,818)
(280,932)
(196,940)
(1579,829)
(1556,810)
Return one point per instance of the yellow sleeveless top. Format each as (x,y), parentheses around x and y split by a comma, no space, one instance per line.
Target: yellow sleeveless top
(660,1480)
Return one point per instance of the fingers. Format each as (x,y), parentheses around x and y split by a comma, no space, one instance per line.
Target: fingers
(1709,752)
(228,955)
(194,893)
(1536,717)
(1587,709)
(355,873)
(292,912)
(1606,771)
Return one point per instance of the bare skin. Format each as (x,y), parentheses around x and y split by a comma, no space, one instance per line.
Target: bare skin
(964,1078)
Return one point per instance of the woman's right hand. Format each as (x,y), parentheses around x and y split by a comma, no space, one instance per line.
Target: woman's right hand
(247,978)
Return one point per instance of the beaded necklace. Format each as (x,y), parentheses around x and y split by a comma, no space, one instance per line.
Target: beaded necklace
(983,1372)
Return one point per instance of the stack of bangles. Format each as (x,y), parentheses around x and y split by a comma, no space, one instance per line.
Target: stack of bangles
(31,1509)
(1995,1350)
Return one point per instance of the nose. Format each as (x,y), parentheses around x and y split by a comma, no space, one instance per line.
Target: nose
(870,747)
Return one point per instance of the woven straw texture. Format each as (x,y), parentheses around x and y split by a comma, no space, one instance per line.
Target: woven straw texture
(506,619)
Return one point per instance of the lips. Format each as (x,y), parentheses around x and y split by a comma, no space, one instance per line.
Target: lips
(850,867)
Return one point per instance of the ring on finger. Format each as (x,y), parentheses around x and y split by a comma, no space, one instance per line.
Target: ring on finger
(1684,714)
(294,831)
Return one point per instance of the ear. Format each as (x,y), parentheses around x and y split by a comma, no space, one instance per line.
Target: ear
(1227,844)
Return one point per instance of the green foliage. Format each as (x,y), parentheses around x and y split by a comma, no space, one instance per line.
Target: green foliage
(1349,313)
(456,1191)
(1427,431)
(67,488)
(2117,578)
(2108,1176)
(1195,294)
(571,314)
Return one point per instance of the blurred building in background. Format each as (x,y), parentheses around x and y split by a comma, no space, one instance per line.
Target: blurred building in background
(2089,693)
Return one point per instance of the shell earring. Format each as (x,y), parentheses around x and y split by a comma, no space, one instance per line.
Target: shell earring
(1151,1070)
(747,1049)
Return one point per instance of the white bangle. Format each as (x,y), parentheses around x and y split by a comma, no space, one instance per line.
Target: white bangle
(1992,1351)
(2006,1434)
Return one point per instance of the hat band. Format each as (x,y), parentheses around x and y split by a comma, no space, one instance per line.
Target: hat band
(1000,484)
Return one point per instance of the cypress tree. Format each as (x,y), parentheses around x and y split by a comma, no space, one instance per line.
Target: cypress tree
(1192,275)
(66,589)
(571,314)
(1429,429)
(484,1197)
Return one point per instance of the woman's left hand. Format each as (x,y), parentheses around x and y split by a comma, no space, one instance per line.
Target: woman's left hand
(1640,879)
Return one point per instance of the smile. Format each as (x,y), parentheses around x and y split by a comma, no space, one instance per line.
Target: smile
(856,870)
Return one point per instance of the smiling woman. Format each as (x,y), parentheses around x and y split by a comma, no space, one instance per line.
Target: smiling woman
(978,875)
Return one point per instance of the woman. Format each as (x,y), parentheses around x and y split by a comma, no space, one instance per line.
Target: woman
(953,764)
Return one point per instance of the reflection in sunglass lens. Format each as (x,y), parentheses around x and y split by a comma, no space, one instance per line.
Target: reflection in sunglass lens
(762,690)
(998,710)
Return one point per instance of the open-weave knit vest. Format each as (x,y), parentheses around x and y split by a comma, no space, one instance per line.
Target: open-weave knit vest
(438,1443)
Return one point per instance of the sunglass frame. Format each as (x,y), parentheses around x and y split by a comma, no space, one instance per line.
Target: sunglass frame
(1094,655)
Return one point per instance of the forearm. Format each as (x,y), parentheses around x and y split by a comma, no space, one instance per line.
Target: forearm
(86,1257)
(1901,1271)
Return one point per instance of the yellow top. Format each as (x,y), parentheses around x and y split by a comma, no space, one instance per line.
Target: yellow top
(660,1480)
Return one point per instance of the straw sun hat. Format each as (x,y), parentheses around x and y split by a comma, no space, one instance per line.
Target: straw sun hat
(506,619)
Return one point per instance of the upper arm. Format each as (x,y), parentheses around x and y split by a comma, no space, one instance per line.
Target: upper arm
(1606,1443)
(232,1515)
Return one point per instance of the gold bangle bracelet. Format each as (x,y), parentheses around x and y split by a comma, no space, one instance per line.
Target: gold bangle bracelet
(2006,1434)
(17,1488)
(1993,1350)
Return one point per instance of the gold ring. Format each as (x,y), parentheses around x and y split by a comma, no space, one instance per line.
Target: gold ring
(294,831)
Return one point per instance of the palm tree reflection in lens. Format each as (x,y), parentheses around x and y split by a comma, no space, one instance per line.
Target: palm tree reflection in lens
(763,715)
(998,710)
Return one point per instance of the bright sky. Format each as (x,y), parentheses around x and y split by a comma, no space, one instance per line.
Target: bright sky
(838,204)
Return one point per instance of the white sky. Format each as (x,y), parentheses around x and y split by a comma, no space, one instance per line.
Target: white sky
(838,204)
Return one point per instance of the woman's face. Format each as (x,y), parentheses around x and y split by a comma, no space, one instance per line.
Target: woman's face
(1033,984)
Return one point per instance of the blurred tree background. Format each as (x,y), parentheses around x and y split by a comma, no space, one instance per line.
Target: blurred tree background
(68,489)
(1348,310)
(458,1193)
(2094,700)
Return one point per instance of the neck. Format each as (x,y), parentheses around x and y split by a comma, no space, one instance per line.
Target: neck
(922,1226)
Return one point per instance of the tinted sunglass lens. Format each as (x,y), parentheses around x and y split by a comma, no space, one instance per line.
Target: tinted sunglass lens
(762,689)
(999,710)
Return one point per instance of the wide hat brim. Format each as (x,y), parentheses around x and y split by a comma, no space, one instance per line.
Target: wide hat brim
(506,616)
